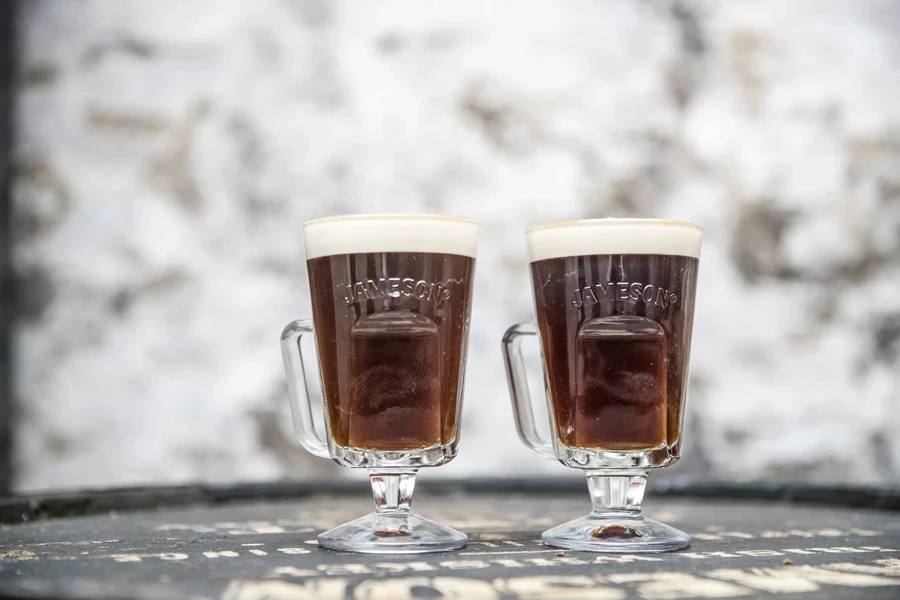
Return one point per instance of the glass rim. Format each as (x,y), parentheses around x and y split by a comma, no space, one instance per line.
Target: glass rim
(361,234)
(388,216)
(614,222)
(613,236)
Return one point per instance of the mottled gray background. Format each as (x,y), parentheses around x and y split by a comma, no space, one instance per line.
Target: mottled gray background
(168,152)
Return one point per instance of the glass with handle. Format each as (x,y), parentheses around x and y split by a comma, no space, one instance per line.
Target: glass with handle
(391,299)
(614,300)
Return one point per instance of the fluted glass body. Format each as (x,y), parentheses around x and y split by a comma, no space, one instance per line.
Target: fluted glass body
(391,333)
(615,336)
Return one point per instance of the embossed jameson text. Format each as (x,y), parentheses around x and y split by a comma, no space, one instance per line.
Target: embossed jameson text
(623,291)
(397,287)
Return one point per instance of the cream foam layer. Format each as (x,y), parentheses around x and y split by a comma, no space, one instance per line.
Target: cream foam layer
(613,236)
(358,234)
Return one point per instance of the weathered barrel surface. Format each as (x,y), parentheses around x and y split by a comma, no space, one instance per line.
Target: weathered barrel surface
(258,542)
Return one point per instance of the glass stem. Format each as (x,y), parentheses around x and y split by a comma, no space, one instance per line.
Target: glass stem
(393,491)
(616,493)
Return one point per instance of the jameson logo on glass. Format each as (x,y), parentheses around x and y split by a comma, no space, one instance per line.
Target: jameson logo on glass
(614,300)
(623,291)
(397,287)
(391,298)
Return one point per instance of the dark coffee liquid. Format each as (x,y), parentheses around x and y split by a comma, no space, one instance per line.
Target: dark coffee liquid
(616,335)
(391,331)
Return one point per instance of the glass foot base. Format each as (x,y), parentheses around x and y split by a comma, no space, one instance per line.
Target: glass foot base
(628,535)
(396,533)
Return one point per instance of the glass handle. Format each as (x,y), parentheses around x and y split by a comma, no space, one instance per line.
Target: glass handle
(517,378)
(298,388)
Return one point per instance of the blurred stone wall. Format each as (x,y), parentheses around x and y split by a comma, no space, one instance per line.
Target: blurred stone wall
(168,152)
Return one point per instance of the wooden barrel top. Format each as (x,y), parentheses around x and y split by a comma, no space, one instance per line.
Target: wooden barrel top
(255,542)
